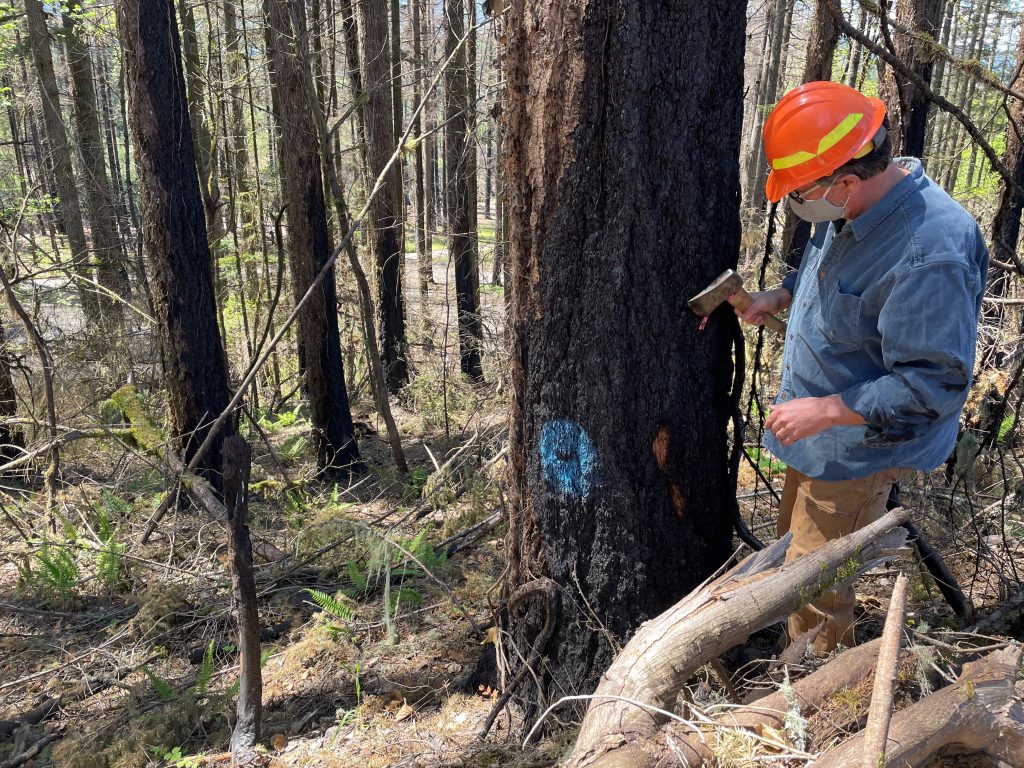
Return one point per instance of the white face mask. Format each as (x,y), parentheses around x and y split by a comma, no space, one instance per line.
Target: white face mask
(816,211)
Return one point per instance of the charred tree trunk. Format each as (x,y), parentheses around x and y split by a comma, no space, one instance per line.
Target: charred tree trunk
(385,225)
(201,134)
(60,157)
(422,234)
(111,272)
(173,225)
(11,439)
(458,147)
(238,151)
(308,245)
(905,102)
(620,487)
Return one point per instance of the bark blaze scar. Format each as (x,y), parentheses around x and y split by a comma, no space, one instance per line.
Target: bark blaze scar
(659,448)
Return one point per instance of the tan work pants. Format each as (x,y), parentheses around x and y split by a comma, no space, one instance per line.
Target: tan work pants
(816,512)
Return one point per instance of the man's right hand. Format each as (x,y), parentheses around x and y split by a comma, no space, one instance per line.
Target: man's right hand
(765,303)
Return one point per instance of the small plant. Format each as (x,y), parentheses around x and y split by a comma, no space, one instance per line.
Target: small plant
(795,723)
(162,687)
(108,550)
(331,605)
(56,574)
(205,671)
(764,461)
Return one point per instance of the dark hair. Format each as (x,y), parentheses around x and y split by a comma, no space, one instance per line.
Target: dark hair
(872,164)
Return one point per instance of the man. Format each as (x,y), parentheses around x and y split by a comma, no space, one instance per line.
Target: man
(879,353)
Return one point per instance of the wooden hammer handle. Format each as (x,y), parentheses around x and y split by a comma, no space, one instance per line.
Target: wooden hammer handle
(741,300)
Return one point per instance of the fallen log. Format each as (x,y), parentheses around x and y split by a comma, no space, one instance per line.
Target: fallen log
(981,713)
(846,671)
(655,664)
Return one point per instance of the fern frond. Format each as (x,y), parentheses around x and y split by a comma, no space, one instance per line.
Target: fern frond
(330,605)
(161,686)
(205,671)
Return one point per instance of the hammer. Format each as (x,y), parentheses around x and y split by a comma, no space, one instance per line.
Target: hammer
(728,286)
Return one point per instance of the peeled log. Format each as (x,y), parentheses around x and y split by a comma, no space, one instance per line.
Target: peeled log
(655,664)
(981,712)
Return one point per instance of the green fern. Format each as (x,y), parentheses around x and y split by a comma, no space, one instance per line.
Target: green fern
(58,573)
(330,605)
(161,686)
(109,550)
(205,671)
(359,580)
(405,595)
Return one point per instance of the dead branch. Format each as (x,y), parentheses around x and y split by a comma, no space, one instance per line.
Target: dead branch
(877,729)
(665,651)
(979,713)
(31,752)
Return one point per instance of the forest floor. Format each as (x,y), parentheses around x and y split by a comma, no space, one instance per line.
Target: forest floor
(370,659)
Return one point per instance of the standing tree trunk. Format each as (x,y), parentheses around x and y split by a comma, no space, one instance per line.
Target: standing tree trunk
(173,225)
(429,143)
(111,272)
(619,462)
(905,102)
(308,244)
(236,133)
(422,234)
(1006,223)
(385,226)
(60,157)
(457,162)
(205,144)
(821,49)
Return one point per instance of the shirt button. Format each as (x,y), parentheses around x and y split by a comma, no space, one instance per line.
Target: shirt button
(822,273)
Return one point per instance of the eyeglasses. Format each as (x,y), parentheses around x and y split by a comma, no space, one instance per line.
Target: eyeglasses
(798,196)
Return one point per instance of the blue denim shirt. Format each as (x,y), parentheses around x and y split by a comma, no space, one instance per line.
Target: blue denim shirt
(885,314)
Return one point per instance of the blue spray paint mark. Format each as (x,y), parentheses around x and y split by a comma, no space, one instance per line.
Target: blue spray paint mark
(568,458)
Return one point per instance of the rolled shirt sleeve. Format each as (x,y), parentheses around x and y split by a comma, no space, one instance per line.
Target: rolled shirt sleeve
(928,332)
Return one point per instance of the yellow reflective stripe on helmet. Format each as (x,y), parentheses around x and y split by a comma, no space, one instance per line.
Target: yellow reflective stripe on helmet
(797,158)
(828,141)
(836,135)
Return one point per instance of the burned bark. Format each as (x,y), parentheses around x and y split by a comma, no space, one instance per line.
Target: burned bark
(906,102)
(385,222)
(623,201)
(174,229)
(308,244)
(459,154)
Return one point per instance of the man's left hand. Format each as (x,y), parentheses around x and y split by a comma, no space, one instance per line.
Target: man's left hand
(807,416)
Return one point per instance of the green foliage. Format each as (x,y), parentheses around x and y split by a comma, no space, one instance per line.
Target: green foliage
(108,550)
(331,605)
(162,687)
(764,460)
(52,572)
(129,401)
(294,448)
(404,595)
(1006,428)
(205,671)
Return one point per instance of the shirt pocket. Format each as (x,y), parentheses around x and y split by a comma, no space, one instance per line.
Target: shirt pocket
(841,319)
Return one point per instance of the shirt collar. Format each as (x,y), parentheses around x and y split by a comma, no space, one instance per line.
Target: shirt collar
(876,214)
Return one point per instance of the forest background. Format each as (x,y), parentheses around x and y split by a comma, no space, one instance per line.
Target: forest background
(304,223)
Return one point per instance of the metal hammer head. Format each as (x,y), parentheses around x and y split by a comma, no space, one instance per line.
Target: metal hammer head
(724,286)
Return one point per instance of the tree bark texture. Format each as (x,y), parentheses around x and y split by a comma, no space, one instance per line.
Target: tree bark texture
(246,733)
(385,225)
(1006,223)
(205,144)
(621,165)
(111,271)
(60,155)
(308,245)
(459,155)
(905,102)
(173,224)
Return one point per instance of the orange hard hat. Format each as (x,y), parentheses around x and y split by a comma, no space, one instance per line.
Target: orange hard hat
(813,130)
